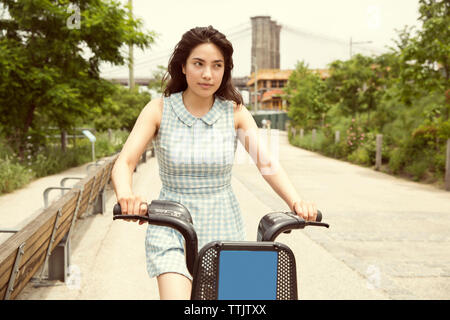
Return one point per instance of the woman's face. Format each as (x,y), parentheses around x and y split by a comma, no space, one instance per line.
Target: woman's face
(204,69)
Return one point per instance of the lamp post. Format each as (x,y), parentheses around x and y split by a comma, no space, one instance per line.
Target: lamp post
(359,42)
(255,84)
(131,54)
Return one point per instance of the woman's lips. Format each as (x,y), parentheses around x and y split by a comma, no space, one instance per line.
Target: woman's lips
(205,85)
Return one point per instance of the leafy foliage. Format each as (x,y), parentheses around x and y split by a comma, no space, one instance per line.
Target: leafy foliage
(49,72)
(157,83)
(121,109)
(305,91)
(48,160)
(403,94)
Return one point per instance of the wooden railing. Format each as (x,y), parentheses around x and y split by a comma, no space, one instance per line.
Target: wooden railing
(36,245)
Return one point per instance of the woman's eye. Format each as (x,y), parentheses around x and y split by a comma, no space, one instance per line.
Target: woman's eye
(197,63)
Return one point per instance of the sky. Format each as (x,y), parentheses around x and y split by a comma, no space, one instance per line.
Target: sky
(316,32)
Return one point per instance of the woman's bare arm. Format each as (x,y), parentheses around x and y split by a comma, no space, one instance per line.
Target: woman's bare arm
(144,130)
(269,166)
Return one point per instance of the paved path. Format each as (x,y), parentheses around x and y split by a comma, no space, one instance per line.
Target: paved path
(389,238)
(395,233)
(21,206)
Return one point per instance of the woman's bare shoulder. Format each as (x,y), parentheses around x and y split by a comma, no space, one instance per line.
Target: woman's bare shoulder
(237,109)
(241,116)
(154,110)
(156,103)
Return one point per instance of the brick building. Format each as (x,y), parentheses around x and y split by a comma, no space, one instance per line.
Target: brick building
(270,84)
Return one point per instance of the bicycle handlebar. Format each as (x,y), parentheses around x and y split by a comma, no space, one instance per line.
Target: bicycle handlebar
(169,214)
(272,224)
(175,215)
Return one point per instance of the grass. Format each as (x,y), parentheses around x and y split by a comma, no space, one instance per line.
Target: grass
(15,174)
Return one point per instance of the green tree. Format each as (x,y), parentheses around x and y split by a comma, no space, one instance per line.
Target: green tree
(354,84)
(306,100)
(156,83)
(50,52)
(426,55)
(121,109)
(381,78)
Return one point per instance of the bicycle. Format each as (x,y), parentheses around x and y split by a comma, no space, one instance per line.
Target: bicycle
(234,270)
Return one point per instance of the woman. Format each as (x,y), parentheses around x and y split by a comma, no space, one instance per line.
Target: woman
(195,128)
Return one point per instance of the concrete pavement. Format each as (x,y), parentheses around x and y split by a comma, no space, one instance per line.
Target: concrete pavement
(21,206)
(389,238)
(393,232)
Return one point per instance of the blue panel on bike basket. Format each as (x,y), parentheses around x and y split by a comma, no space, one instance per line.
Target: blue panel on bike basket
(247,275)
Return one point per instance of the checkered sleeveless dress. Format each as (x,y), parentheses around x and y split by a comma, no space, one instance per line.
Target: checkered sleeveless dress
(195,158)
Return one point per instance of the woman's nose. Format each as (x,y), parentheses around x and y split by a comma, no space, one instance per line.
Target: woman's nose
(206,73)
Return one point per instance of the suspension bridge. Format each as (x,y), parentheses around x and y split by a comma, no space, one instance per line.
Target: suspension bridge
(293,44)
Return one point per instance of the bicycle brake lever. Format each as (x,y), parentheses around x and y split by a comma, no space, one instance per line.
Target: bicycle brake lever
(130,217)
(317,224)
(274,223)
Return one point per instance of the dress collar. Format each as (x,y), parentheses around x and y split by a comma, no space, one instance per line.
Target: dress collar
(176,101)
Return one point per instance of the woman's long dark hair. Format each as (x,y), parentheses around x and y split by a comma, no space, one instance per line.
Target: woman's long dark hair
(190,40)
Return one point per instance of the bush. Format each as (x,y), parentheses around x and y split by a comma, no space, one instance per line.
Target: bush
(355,136)
(360,156)
(370,145)
(417,169)
(5,150)
(439,165)
(122,109)
(105,147)
(52,160)
(307,141)
(397,160)
(337,150)
(13,175)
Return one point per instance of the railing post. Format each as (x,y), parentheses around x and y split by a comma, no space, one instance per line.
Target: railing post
(63,180)
(59,260)
(46,192)
(15,271)
(447,167)
(52,240)
(100,202)
(378,154)
(75,214)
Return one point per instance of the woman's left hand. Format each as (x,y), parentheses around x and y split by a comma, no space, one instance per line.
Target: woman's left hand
(305,209)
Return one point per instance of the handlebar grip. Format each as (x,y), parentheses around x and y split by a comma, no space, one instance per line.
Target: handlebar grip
(169,214)
(272,224)
(117,210)
(319,216)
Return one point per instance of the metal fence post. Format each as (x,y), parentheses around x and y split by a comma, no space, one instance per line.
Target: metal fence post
(15,271)
(378,154)
(447,167)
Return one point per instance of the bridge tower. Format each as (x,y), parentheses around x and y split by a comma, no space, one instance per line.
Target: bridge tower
(265,43)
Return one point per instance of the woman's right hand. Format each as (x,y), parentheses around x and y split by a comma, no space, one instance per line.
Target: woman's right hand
(133,205)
